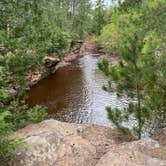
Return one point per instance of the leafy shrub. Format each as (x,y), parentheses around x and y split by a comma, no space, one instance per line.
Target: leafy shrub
(7,145)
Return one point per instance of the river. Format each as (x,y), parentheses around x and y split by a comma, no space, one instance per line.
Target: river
(74,93)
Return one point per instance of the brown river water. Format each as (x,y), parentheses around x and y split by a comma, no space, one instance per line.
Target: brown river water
(74,93)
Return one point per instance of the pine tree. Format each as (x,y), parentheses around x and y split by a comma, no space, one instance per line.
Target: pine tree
(99,16)
(140,42)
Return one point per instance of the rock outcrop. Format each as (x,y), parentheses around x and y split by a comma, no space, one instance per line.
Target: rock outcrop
(50,62)
(54,143)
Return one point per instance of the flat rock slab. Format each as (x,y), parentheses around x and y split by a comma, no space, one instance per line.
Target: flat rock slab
(54,143)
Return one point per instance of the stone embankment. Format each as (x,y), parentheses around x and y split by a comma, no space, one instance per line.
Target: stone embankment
(54,143)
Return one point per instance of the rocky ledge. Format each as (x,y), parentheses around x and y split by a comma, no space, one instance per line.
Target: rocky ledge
(54,143)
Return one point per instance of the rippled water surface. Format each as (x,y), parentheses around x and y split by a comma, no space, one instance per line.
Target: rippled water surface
(74,93)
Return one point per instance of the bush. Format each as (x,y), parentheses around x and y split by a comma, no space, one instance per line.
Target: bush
(136,33)
(10,121)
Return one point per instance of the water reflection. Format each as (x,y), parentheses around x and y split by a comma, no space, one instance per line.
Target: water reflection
(74,93)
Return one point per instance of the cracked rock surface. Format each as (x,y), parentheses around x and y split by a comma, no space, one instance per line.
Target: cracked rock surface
(54,143)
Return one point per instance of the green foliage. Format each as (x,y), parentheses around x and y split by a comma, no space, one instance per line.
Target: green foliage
(22,116)
(140,74)
(99,17)
(36,114)
(7,145)
(82,18)
(103,65)
(16,117)
(128,4)
(5,127)
(29,30)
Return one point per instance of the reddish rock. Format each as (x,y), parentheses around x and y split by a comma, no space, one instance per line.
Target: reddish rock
(54,143)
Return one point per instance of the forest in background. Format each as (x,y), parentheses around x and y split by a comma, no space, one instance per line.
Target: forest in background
(29,31)
(133,30)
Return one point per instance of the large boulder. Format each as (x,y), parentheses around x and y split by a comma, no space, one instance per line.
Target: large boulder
(160,136)
(127,157)
(136,153)
(54,143)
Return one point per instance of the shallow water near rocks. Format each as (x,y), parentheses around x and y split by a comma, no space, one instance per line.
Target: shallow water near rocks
(74,93)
